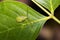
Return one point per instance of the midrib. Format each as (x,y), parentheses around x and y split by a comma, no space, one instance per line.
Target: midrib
(51,4)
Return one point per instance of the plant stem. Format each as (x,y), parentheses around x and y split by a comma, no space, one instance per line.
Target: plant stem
(57,20)
(41,7)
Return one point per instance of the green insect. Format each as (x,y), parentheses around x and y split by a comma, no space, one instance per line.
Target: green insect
(21,18)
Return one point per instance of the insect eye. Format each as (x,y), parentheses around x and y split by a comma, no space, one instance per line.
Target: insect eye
(21,18)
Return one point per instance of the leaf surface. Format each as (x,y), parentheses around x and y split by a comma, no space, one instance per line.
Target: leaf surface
(51,5)
(28,29)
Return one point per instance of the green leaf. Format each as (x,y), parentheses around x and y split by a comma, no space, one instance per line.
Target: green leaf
(51,5)
(25,29)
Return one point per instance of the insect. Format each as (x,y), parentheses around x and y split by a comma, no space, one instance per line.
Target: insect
(21,18)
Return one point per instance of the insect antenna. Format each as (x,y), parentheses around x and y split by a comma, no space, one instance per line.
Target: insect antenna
(28,17)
